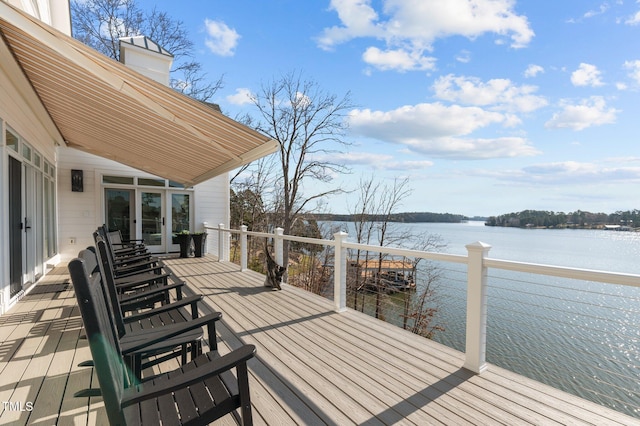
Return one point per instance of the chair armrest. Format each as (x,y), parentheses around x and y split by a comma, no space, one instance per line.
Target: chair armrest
(192,300)
(125,298)
(157,269)
(137,283)
(126,269)
(135,259)
(135,341)
(211,367)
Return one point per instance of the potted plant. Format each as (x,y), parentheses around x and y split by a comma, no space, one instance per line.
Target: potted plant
(184,239)
(199,242)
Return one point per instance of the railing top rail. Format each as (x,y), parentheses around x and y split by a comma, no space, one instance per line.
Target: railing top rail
(215,228)
(270,235)
(632,280)
(408,253)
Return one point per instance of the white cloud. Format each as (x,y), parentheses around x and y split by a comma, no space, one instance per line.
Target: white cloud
(377,161)
(358,19)
(590,112)
(464,57)
(602,9)
(412,26)
(634,70)
(241,97)
(586,75)
(633,20)
(502,94)
(568,173)
(533,70)
(438,130)
(398,59)
(220,39)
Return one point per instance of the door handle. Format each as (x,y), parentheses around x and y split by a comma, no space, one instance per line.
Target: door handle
(163,221)
(25,225)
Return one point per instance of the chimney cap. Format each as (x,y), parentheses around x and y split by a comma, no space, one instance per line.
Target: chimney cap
(145,42)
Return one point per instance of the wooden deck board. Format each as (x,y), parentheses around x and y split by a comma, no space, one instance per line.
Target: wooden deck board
(397,376)
(313,367)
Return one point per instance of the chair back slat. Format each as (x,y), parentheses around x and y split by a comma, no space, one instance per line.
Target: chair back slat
(115,237)
(109,284)
(102,337)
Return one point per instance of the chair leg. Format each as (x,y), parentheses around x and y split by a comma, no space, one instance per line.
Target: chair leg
(183,353)
(245,397)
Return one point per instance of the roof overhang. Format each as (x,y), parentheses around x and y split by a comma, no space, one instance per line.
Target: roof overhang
(104,108)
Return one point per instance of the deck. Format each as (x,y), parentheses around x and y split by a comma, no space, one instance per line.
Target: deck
(313,366)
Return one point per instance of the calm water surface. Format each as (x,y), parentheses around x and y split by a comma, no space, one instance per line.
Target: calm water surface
(582,337)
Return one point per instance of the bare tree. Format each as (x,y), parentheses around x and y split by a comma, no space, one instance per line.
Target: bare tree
(372,213)
(309,125)
(101,23)
(362,213)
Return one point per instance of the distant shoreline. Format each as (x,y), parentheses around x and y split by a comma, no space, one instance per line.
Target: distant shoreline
(410,217)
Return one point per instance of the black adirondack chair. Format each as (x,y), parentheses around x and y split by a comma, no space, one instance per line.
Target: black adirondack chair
(128,261)
(142,291)
(198,393)
(163,332)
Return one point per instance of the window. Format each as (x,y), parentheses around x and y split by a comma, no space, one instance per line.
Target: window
(151,182)
(11,140)
(120,180)
(26,152)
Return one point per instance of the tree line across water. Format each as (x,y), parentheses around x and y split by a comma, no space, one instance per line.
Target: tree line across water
(411,217)
(578,219)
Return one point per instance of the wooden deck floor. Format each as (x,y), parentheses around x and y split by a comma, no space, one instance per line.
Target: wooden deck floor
(314,366)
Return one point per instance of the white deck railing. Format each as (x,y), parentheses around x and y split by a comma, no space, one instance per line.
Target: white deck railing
(479,269)
(477,261)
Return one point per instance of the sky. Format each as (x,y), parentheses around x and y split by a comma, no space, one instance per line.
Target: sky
(486,106)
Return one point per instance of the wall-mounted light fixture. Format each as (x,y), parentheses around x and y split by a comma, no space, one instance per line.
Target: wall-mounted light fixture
(76,181)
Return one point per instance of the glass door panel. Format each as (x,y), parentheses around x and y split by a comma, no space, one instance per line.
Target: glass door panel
(30,223)
(152,220)
(16,226)
(120,211)
(180,216)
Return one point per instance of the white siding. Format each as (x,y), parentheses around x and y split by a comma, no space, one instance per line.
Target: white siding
(21,110)
(53,12)
(80,213)
(212,200)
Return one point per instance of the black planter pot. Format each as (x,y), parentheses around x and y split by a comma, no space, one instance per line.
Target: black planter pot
(185,244)
(199,241)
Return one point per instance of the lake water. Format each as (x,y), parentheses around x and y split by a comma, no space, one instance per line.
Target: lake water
(582,337)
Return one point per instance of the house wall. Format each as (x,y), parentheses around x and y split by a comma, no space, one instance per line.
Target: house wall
(80,213)
(53,12)
(213,209)
(22,112)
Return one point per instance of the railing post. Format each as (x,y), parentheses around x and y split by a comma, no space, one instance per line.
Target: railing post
(221,256)
(476,344)
(340,272)
(278,246)
(243,248)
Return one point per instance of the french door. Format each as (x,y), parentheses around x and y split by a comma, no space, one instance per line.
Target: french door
(25,225)
(16,227)
(153,220)
(152,215)
(120,213)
